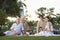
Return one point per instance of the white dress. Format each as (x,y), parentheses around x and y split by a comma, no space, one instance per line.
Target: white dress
(45,33)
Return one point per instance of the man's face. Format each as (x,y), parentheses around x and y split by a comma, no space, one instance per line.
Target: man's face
(17,20)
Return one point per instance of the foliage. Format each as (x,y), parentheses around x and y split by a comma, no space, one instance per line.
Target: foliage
(41,10)
(3,18)
(9,8)
(55,20)
(44,10)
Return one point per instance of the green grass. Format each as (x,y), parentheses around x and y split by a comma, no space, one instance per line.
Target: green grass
(28,38)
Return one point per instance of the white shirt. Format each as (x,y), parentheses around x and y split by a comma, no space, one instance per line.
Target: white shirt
(49,26)
(17,27)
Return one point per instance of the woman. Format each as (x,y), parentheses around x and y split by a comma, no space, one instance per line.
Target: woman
(48,27)
(48,30)
(40,24)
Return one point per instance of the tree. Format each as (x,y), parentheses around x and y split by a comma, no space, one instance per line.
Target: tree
(3,18)
(50,11)
(55,20)
(41,11)
(44,10)
(9,8)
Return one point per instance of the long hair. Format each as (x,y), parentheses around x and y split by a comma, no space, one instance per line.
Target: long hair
(48,18)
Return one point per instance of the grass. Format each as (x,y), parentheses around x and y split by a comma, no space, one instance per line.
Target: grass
(28,38)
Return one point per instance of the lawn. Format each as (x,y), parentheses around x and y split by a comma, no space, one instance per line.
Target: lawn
(28,38)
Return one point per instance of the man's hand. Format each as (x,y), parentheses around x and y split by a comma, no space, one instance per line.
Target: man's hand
(14,32)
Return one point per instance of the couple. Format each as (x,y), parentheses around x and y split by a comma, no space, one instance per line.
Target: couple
(44,27)
(17,28)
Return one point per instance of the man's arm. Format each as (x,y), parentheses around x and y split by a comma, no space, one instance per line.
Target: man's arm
(12,29)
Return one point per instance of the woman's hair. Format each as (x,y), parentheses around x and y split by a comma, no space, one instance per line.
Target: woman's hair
(40,16)
(48,18)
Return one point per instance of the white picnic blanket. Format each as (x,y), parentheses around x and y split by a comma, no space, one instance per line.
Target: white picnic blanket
(43,35)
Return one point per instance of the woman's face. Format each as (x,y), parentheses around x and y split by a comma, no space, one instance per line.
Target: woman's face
(41,18)
(46,19)
(22,19)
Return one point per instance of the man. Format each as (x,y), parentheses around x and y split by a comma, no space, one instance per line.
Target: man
(40,24)
(16,29)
